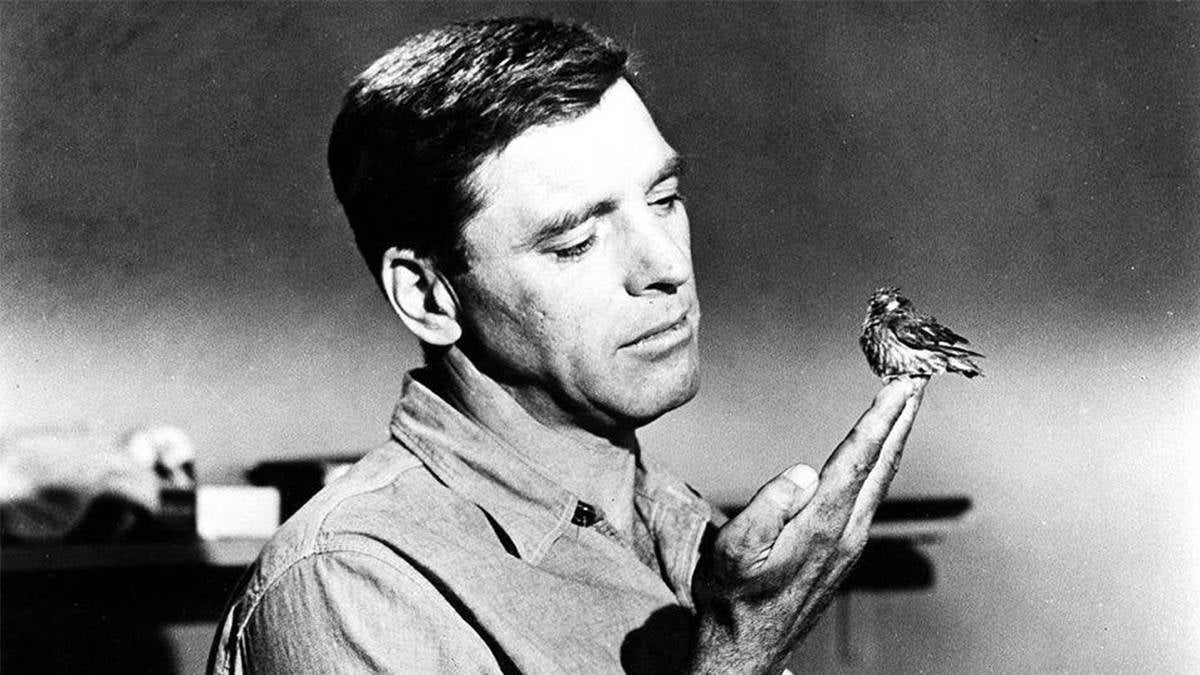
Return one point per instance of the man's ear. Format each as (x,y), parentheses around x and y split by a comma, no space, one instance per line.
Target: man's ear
(421,297)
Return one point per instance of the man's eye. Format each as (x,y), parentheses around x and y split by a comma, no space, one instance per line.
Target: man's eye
(667,203)
(572,252)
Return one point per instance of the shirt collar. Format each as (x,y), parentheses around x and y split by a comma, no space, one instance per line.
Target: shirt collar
(491,462)
(485,467)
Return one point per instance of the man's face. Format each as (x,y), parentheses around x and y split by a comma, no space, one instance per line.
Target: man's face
(580,298)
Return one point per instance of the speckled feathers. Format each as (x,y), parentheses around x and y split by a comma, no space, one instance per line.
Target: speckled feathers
(898,341)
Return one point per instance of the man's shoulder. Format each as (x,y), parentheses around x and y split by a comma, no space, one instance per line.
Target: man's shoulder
(386,511)
(385,504)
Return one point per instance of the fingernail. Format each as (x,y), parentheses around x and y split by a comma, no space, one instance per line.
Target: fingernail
(802,475)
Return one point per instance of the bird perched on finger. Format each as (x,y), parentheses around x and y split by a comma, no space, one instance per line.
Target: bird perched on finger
(898,341)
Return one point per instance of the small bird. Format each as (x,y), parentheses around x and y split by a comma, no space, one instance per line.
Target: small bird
(898,341)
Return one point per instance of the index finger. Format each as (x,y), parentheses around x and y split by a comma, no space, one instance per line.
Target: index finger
(851,462)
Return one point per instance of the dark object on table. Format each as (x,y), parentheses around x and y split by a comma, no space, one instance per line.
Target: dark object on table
(298,479)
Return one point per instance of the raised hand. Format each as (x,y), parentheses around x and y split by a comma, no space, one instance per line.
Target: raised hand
(773,569)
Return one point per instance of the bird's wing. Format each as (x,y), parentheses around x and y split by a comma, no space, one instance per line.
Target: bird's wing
(926,333)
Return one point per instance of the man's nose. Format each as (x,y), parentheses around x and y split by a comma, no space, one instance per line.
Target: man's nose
(659,255)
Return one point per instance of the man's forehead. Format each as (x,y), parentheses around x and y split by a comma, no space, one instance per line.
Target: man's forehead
(609,149)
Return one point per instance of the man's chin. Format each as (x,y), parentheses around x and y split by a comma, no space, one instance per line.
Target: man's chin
(643,412)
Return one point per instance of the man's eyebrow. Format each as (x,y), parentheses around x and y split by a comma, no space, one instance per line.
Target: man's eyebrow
(674,167)
(562,223)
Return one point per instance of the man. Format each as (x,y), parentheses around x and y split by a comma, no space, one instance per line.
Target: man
(523,215)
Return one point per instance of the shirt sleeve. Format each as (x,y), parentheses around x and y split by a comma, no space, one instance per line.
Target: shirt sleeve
(349,612)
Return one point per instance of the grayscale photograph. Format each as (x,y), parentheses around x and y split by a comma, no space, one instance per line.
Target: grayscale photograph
(805,338)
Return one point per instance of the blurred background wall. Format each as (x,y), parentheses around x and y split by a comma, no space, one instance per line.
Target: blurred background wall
(171,251)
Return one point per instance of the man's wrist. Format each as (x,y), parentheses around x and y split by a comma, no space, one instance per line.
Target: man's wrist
(725,643)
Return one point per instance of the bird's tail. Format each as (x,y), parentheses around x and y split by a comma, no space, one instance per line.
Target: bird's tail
(962,364)
(955,350)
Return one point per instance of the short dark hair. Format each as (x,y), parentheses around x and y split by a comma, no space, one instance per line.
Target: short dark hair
(420,120)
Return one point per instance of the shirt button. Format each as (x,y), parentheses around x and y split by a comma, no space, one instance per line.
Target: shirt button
(585,514)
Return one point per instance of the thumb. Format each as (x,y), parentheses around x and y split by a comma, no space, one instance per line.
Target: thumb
(757,527)
(788,492)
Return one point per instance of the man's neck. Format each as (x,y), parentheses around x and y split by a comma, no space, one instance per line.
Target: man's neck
(600,469)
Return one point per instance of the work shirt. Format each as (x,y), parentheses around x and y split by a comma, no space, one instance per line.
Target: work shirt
(449,550)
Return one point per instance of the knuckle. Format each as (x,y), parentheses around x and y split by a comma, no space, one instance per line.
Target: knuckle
(825,537)
(739,549)
(729,549)
(738,552)
(735,569)
(860,471)
(832,511)
(849,476)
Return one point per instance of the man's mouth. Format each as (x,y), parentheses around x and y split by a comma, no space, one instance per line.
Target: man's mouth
(664,336)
